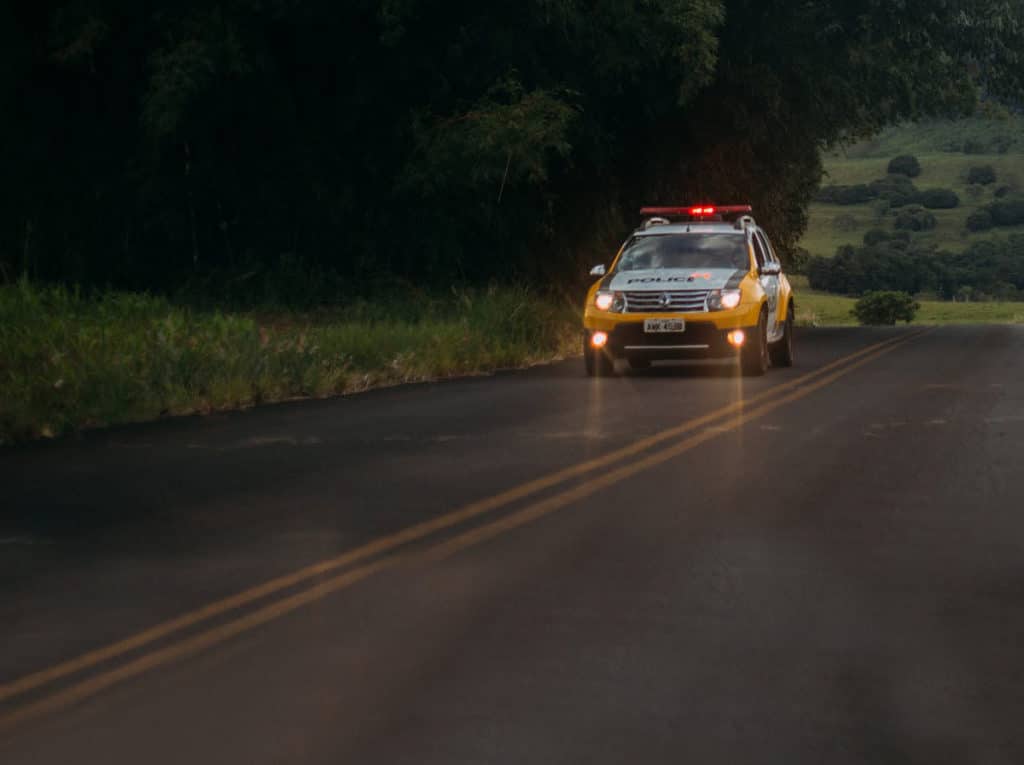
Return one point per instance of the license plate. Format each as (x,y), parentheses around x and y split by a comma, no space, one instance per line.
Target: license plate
(664,325)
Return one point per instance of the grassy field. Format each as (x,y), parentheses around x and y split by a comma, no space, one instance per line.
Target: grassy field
(819,309)
(69,362)
(939,148)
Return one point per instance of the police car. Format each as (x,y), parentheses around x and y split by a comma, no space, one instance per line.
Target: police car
(691,282)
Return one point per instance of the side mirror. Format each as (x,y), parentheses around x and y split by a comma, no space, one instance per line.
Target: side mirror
(771,269)
(598,271)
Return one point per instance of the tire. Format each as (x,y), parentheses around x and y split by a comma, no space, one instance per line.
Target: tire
(754,360)
(782,351)
(597,363)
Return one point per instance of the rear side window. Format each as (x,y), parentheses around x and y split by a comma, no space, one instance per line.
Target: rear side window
(760,254)
(685,251)
(767,245)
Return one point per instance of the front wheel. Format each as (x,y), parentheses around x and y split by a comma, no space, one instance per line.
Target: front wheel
(782,351)
(754,355)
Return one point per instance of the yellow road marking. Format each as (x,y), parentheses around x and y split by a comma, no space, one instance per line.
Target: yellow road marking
(533,512)
(212,637)
(411,534)
(191,645)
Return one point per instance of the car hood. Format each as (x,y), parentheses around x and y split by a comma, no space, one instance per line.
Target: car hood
(661,280)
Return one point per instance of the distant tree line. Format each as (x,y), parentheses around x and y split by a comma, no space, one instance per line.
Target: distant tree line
(148,144)
(990,269)
(896,190)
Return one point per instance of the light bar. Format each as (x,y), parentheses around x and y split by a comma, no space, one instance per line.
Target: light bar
(695,212)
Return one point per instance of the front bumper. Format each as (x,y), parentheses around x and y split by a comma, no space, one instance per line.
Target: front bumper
(705,336)
(701,339)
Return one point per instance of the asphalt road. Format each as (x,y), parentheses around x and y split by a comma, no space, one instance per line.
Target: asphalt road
(825,565)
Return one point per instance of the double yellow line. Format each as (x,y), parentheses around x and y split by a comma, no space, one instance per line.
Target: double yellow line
(389,551)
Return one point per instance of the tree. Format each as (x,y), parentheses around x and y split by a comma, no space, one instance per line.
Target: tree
(938,199)
(150,145)
(906,165)
(914,218)
(983,175)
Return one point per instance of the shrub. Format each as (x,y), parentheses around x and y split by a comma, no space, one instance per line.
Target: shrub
(1003,191)
(914,218)
(885,308)
(938,199)
(896,190)
(855,195)
(846,195)
(979,220)
(1008,212)
(983,175)
(905,165)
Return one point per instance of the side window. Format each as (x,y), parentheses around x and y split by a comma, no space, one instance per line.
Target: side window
(759,251)
(768,247)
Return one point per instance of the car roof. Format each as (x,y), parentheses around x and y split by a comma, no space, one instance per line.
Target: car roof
(690,228)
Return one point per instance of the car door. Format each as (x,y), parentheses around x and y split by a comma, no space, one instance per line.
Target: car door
(769,270)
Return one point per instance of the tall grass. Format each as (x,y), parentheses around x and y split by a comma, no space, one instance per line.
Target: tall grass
(69,361)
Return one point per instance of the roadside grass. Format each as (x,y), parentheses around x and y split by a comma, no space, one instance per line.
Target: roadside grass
(70,361)
(821,309)
(931,143)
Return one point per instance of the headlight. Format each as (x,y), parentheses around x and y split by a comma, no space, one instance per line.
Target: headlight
(610,301)
(724,300)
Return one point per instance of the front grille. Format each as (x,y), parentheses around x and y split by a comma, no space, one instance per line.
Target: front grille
(675,301)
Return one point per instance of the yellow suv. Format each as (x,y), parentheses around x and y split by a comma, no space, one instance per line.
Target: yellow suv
(691,282)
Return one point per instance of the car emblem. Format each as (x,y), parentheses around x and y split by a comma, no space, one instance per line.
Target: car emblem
(665,300)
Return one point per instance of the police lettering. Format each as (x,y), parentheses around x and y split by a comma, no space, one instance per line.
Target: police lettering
(659,279)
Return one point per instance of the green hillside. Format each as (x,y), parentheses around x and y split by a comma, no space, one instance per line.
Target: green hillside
(946,150)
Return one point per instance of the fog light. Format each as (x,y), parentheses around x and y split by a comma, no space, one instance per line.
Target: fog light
(599,339)
(737,337)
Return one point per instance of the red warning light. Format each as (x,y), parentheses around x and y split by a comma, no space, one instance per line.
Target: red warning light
(698,212)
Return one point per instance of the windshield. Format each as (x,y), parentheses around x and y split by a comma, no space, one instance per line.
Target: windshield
(685,251)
